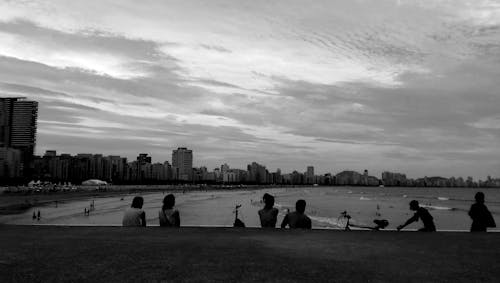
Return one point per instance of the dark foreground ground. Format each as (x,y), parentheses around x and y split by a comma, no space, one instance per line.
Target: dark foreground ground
(116,254)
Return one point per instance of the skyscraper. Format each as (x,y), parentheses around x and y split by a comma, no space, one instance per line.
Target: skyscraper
(310,175)
(18,119)
(182,163)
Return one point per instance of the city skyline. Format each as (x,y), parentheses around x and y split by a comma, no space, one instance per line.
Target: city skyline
(404,86)
(185,170)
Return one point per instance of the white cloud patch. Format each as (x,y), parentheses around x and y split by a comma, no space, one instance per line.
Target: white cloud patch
(100,63)
(408,84)
(487,123)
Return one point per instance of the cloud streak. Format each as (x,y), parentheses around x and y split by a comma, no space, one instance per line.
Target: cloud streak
(402,85)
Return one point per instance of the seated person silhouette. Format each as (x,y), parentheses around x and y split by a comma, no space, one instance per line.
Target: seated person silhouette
(422,214)
(269,214)
(168,216)
(297,219)
(134,215)
(481,216)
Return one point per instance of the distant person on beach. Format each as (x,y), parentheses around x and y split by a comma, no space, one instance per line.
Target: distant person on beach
(481,216)
(169,217)
(269,214)
(134,215)
(39,215)
(422,214)
(297,219)
(34,215)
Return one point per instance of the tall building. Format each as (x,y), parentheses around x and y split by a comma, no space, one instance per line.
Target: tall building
(18,119)
(393,179)
(257,173)
(310,175)
(182,163)
(10,162)
(143,158)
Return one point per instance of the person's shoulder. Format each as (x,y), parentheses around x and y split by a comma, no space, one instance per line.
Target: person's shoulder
(422,209)
(130,210)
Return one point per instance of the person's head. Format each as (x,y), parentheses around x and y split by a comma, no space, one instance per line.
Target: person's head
(414,205)
(479,197)
(137,202)
(168,201)
(300,206)
(268,200)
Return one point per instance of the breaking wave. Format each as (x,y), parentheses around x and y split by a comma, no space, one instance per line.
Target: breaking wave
(432,207)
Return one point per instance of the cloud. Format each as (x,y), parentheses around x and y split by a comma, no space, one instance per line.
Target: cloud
(402,85)
(487,123)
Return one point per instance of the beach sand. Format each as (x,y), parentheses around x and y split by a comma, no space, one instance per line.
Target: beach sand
(153,254)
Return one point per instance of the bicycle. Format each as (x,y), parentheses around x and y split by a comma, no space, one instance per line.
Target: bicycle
(380,223)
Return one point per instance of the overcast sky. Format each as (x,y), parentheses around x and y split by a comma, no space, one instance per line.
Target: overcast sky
(408,86)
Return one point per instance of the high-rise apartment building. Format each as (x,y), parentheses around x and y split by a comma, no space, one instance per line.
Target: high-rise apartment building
(182,163)
(310,175)
(10,163)
(18,122)
(257,173)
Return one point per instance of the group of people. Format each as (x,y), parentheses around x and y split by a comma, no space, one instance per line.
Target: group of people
(170,217)
(482,219)
(37,216)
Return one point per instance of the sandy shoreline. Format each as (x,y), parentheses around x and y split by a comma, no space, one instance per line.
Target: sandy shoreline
(118,254)
(15,203)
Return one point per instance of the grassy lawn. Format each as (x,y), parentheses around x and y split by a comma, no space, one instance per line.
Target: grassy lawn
(116,254)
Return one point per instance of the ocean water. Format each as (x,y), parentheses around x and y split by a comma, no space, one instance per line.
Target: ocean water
(448,206)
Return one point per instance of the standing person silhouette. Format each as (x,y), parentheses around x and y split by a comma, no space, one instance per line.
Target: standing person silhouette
(297,219)
(422,214)
(169,217)
(269,214)
(134,215)
(481,216)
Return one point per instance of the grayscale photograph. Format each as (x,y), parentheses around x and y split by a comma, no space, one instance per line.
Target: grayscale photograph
(249,141)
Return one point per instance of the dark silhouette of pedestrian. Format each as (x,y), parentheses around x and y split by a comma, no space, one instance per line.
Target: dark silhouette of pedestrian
(39,216)
(34,215)
(422,214)
(269,214)
(481,216)
(134,215)
(169,217)
(297,219)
